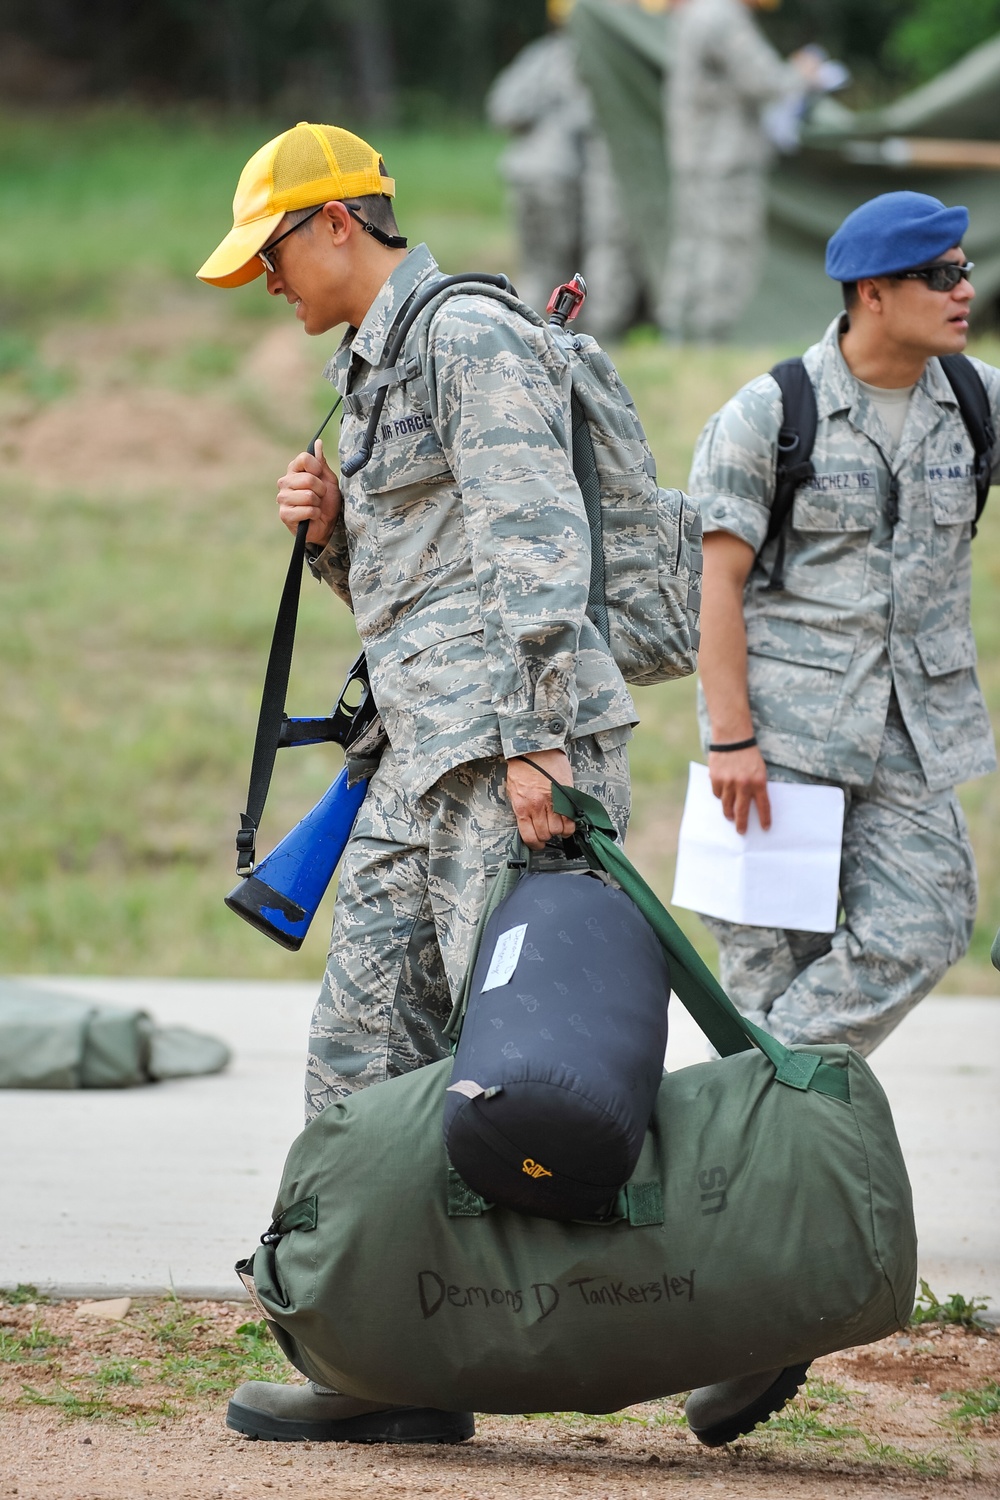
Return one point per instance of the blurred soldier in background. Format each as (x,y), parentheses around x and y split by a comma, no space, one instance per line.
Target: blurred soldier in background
(559,175)
(722,77)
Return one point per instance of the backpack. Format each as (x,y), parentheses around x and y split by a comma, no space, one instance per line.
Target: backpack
(768,1221)
(645,542)
(797,438)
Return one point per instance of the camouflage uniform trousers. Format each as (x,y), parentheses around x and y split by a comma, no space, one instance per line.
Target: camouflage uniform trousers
(908,892)
(713,261)
(412,886)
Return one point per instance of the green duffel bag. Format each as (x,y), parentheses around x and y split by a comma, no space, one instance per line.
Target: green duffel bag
(55,1041)
(769,1221)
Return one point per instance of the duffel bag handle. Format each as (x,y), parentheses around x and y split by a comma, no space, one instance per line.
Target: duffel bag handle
(693,982)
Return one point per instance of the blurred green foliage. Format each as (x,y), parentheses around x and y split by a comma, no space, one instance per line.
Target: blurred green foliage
(936,33)
(404,61)
(353,59)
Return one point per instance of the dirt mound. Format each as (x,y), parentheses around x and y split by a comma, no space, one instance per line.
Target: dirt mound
(176,400)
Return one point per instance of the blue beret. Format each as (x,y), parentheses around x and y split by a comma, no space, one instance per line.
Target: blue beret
(893,232)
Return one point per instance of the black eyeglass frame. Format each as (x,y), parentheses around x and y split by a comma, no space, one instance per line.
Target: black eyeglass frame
(265,254)
(940,275)
(394,241)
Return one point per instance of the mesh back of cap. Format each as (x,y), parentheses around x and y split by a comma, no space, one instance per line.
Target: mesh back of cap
(301,159)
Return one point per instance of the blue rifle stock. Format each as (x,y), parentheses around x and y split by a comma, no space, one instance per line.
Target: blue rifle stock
(280,896)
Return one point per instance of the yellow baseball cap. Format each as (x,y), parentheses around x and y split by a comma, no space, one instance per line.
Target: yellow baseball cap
(304,166)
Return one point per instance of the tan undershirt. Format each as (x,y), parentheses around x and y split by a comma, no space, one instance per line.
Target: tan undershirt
(891,405)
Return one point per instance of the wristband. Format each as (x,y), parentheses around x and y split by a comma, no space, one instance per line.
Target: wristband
(736,745)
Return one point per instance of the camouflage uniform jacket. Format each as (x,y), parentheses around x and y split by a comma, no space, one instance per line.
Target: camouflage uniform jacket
(723,72)
(464,549)
(870,602)
(540,98)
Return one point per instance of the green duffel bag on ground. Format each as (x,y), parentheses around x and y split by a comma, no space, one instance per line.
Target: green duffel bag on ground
(769,1221)
(53,1041)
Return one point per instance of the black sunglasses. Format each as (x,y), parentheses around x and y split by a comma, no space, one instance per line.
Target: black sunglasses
(266,254)
(941,276)
(394,241)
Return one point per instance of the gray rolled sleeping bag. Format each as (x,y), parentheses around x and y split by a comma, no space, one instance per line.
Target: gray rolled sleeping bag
(561,1050)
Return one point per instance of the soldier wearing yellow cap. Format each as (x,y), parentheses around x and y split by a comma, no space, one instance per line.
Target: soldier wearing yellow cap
(462,547)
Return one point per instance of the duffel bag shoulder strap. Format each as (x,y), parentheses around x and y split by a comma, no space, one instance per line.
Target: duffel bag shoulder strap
(692,981)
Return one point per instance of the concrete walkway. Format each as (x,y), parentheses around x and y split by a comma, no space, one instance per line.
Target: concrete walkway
(108,1192)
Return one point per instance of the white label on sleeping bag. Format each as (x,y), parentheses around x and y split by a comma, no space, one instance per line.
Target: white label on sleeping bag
(466,1086)
(505,957)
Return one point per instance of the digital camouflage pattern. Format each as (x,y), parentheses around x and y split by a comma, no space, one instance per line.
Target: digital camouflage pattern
(464,552)
(908,889)
(566,206)
(868,604)
(412,886)
(723,74)
(464,548)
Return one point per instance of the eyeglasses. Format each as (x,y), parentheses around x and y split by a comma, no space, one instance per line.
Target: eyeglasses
(942,276)
(267,254)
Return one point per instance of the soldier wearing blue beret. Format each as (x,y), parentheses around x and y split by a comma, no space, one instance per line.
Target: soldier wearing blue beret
(860,669)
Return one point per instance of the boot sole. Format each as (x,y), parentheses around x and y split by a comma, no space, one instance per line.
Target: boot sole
(408,1425)
(767,1404)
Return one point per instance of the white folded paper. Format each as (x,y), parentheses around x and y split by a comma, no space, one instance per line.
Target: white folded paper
(786,877)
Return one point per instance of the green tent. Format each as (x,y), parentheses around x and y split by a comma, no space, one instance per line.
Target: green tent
(845,158)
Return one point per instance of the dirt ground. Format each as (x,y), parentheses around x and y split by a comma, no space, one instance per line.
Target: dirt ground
(135,1408)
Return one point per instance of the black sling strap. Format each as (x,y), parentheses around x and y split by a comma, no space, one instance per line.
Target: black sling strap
(797,438)
(272,703)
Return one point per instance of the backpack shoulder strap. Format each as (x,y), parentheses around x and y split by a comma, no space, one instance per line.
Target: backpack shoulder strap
(974,405)
(796,440)
(584,461)
(390,376)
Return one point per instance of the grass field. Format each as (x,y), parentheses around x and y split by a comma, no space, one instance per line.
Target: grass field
(143,419)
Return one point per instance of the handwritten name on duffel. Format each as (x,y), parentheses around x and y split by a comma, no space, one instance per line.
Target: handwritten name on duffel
(542,1297)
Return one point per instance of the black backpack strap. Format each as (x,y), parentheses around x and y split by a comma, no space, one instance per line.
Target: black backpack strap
(796,440)
(974,405)
(380,387)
